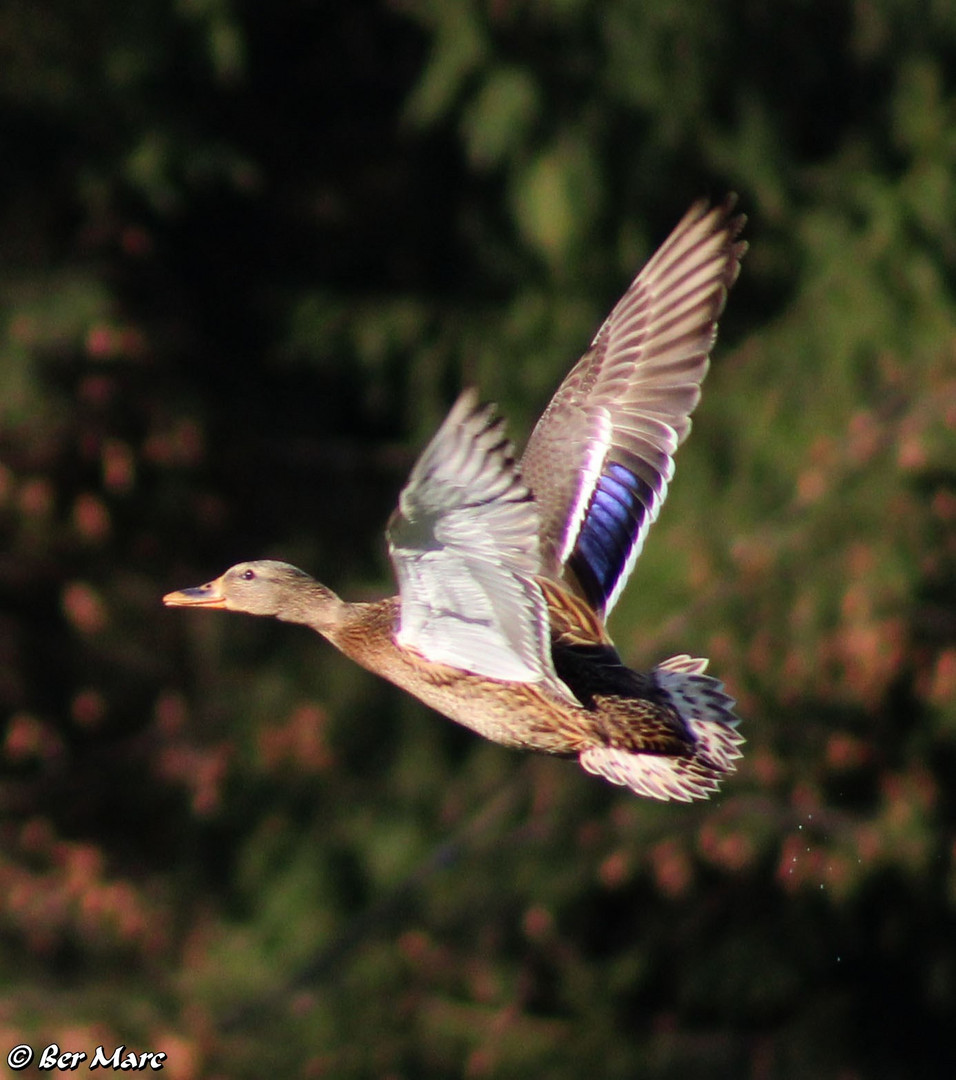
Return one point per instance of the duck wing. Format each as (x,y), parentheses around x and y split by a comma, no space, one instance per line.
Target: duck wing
(464,542)
(601,457)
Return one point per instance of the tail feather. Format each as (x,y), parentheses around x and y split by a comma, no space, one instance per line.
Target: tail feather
(706,710)
(714,744)
(657,776)
(694,665)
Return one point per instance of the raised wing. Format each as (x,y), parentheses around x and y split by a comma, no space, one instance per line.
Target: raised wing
(464,544)
(600,458)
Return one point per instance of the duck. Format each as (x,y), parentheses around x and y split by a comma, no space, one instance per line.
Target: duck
(508,567)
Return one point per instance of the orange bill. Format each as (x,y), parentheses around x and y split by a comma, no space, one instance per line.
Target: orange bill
(208,595)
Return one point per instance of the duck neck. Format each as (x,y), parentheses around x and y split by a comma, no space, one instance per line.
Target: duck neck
(314,605)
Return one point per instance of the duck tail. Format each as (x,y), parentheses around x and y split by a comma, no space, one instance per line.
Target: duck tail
(709,734)
(705,708)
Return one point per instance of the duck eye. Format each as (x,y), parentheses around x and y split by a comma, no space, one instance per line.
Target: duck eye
(248,575)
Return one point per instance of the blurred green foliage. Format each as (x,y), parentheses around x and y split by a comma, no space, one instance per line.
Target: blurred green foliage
(248,253)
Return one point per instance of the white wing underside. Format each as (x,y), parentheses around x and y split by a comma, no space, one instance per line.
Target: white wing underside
(464,544)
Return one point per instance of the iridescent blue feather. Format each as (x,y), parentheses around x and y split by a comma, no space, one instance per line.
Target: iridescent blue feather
(614,522)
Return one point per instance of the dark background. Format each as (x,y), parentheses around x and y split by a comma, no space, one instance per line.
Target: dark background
(248,254)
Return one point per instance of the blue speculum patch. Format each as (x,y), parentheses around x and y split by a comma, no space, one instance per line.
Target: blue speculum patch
(614,516)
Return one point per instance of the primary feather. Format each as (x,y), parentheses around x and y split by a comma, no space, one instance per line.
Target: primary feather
(601,457)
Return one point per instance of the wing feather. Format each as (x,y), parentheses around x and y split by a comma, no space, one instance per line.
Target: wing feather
(601,457)
(465,547)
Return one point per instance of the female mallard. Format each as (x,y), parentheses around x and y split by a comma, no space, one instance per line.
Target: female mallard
(507,572)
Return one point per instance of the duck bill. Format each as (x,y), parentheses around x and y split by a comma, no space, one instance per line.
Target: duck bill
(209,595)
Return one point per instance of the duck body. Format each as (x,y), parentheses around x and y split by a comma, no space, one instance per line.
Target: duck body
(621,713)
(508,570)
(548,723)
